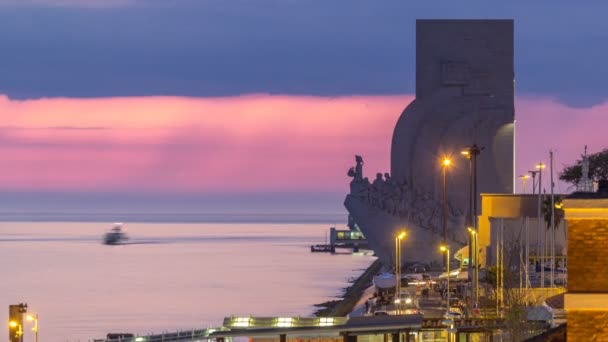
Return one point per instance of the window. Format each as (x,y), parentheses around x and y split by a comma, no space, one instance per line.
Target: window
(326,321)
(242,322)
(284,322)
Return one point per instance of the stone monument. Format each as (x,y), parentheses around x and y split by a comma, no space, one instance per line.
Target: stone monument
(464,95)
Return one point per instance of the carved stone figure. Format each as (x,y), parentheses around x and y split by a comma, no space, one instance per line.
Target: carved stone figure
(359,186)
(376,191)
(585,184)
(359,168)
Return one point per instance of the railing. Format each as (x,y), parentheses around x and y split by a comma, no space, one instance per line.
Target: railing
(465,323)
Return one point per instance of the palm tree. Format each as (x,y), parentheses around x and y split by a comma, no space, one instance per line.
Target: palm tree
(546,209)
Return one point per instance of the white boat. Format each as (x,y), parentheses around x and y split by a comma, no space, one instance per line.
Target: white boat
(115,236)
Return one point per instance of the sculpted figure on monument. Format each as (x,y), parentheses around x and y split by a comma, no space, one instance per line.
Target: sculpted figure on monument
(387,193)
(359,186)
(359,168)
(376,191)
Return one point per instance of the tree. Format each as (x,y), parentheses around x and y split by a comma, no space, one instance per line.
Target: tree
(559,212)
(598,168)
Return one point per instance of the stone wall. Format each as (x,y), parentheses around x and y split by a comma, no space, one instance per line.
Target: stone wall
(587,255)
(586,302)
(587,325)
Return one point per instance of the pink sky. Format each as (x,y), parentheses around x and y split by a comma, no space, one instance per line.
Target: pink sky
(245,143)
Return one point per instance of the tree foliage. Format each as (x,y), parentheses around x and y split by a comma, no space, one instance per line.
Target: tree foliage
(598,168)
(546,209)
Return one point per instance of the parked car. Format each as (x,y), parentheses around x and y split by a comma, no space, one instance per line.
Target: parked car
(417,268)
(456,312)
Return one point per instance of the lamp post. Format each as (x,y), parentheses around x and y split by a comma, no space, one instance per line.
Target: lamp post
(446,162)
(474,238)
(446,249)
(467,153)
(541,231)
(397,300)
(34,318)
(533,173)
(472,152)
(523,178)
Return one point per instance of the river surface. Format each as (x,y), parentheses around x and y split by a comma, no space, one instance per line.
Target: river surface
(170,276)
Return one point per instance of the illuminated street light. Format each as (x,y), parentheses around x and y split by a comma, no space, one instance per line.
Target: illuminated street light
(398,239)
(540,244)
(446,162)
(19,332)
(524,178)
(34,318)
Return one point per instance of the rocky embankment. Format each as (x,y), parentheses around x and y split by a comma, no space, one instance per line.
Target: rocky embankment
(351,295)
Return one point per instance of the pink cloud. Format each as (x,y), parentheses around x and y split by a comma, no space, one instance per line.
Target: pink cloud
(244,143)
(544,124)
(251,143)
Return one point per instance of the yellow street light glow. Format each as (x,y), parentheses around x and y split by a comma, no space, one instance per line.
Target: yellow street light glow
(465,152)
(13,324)
(559,205)
(471,230)
(540,166)
(402,235)
(524,177)
(443,248)
(446,162)
(30,317)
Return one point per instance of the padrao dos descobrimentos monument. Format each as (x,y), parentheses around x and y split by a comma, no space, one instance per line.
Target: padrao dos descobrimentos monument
(464,96)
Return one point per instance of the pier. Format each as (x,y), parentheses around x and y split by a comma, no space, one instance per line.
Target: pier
(350,239)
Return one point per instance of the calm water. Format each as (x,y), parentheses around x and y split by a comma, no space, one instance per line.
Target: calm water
(173,276)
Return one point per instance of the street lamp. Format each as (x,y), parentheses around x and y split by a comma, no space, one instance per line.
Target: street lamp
(533,173)
(541,231)
(469,221)
(19,332)
(397,300)
(474,237)
(34,318)
(471,154)
(523,178)
(446,162)
(446,249)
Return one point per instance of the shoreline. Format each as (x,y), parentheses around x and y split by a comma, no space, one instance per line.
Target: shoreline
(352,294)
